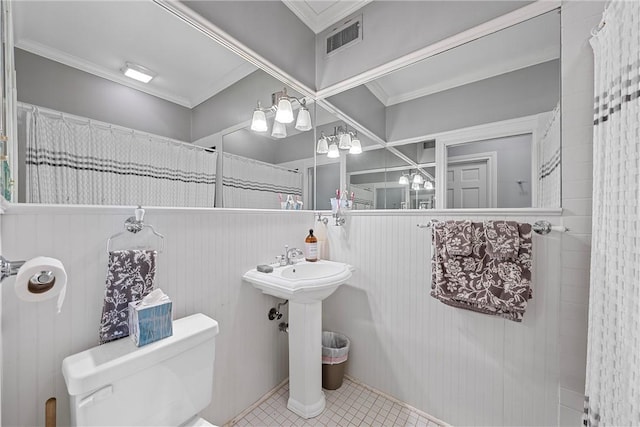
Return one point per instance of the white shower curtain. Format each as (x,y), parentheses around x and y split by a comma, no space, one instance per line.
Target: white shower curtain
(549,163)
(613,361)
(74,160)
(248,183)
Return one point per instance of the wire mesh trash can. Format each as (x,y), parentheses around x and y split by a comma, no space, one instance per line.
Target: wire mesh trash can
(335,351)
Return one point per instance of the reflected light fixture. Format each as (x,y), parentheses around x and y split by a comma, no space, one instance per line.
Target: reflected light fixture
(279,130)
(137,72)
(415,186)
(404,180)
(281,105)
(418,179)
(343,138)
(428,185)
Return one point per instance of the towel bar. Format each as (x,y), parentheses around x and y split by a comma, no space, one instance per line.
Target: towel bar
(541,227)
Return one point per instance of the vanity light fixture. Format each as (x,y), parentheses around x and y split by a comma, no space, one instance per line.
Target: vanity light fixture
(404,180)
(418,179)
(343,138)
(281,105)
(137,72)
(428,185)
(415,186)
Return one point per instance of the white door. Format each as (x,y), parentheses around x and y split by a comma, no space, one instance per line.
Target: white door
(467,185)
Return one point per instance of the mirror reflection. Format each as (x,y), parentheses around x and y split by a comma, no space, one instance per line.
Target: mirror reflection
(155,113)
(483,117)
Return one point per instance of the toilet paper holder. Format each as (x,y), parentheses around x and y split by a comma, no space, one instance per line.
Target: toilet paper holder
(38,283)
(9,268)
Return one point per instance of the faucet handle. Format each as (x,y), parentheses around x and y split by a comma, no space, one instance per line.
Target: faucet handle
(280,259)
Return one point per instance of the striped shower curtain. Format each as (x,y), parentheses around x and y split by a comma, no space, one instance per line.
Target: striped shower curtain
(74,160)
(248,183)
(613,360)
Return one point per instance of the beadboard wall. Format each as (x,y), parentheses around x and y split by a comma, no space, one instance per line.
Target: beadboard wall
(206,253)
(462,367)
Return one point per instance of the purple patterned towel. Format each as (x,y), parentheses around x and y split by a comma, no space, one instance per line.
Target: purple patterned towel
(479,282)
(502,238)
(130,278)
(458,237)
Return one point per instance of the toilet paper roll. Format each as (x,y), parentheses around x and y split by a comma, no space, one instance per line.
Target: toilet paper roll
(41,279)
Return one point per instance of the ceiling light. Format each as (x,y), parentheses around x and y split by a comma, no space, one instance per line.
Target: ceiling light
(279,130)
(333,153)
(259,121)
(322,145)
(356,148)
(283,109)
(137,72)
(404,180)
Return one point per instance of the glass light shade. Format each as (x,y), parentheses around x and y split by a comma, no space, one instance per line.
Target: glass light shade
(418,179)
(356,148)
(259,121)
(279,130)
(322,146)
(304,120)
(345,142)
(285,111)
(428,185)
(416,186)
(333,153)
(404,180)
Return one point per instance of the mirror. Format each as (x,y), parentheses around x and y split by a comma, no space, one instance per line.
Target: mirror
(482,119)
(90,134)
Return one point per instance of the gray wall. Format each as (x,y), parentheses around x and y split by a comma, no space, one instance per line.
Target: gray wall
(327,181)
(423,23)
(360,104)
(250,144)
(514,164)
(270,29)
(51,84)
(519,93)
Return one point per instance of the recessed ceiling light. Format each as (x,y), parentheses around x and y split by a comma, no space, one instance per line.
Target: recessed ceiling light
(138,72)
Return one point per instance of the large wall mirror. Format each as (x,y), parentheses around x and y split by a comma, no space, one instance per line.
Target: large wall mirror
(476,126)
(89,133)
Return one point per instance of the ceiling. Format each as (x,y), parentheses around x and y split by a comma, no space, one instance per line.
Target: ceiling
(320,14)
(523,45)
(190,67)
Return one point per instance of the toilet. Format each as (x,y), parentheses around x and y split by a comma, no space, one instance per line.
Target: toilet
(165,383)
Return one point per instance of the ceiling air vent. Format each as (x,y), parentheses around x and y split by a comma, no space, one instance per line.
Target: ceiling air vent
(347,34)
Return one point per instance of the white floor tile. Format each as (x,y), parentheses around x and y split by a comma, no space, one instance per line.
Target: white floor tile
(350,405)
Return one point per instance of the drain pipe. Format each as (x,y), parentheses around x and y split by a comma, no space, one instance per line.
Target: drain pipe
(274,313)
(284,327)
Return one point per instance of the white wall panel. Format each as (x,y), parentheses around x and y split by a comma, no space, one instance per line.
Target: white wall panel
(206,253)
(463,367)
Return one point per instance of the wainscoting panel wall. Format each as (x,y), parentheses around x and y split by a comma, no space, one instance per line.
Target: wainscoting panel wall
(463,367)
(206,253)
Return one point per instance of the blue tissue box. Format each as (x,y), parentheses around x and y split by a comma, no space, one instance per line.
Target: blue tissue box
(150,323)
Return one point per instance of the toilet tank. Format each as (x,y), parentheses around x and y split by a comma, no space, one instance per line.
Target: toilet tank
(160,384)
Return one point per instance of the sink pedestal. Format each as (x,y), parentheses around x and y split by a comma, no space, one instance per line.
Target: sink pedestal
(306,397)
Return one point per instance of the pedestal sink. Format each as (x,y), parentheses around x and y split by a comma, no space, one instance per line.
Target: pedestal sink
(305,285)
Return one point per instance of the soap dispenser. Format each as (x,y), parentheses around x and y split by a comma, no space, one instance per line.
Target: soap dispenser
(311,247)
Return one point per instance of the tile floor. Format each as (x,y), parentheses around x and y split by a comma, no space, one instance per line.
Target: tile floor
(351,405)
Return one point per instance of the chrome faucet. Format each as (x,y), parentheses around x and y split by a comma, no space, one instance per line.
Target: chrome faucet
(289,255)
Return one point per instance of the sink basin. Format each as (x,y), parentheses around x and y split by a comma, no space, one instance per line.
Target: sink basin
(303,281)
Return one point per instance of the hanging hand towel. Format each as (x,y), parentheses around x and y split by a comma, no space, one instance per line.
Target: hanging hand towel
(130,278)
(479,282)
(458,237)
(502,238)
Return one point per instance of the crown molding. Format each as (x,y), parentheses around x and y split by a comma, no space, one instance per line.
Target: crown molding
(224,82)
(376,89)
(318,22)
(474,75)
(91,68)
